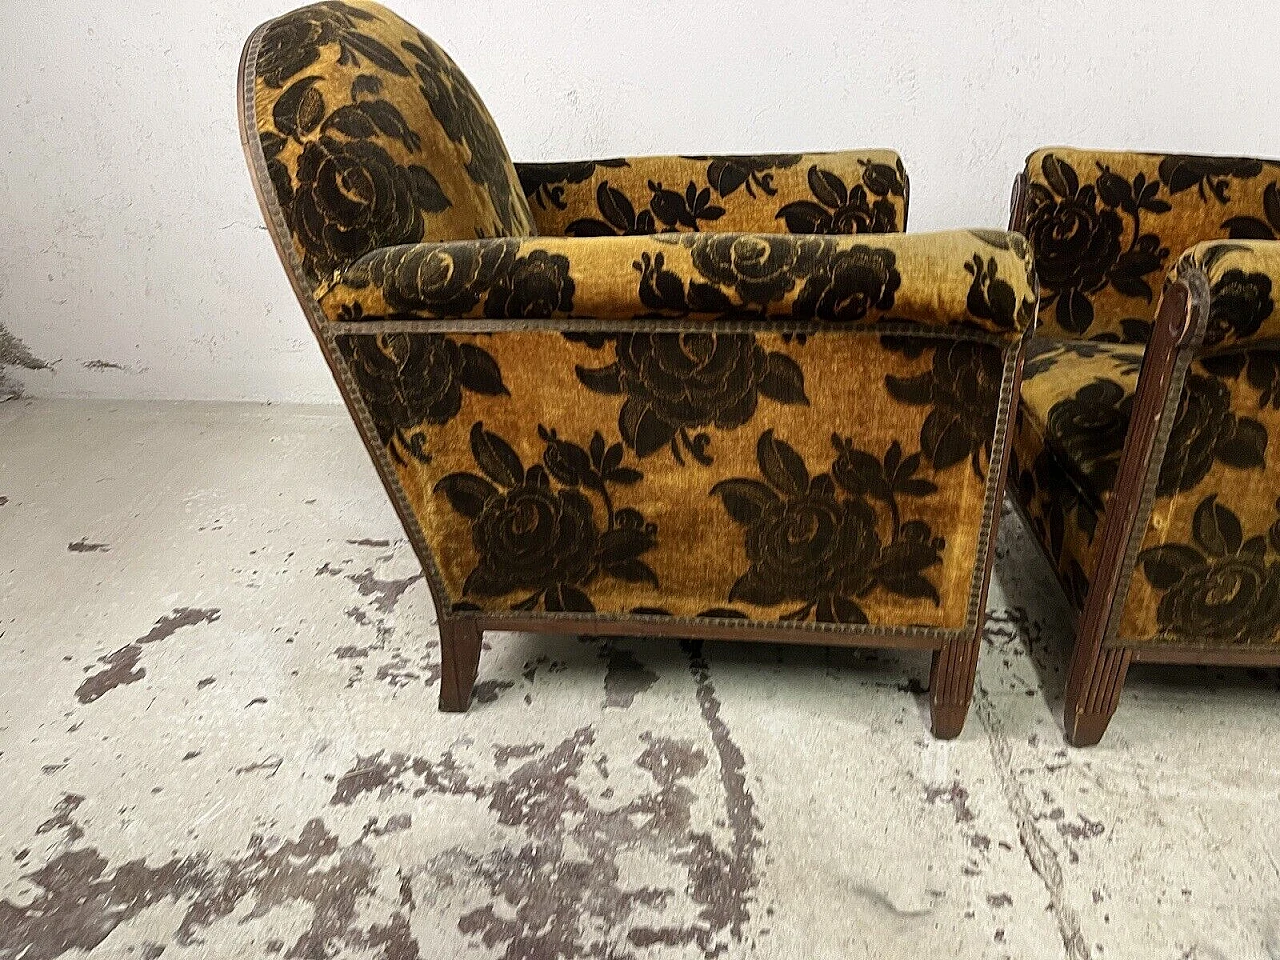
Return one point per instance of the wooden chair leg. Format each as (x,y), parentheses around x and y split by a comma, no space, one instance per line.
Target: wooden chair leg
(1093,692)
(951,685)
(459,661)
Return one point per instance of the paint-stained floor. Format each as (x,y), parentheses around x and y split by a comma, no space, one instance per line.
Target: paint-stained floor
(218,738)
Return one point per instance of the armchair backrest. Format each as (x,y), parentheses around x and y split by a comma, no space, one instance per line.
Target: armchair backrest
(1105,227)
(366,134)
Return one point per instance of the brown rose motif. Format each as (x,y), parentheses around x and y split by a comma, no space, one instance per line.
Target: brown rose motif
(411,379)
(1088,430)
(675,383)
(759,268)
(536,286)
(352,198)
(1077,230)
(963,388)
(440,279)
(1220,588)
(1206,430)
(536,530)
(815,540)
(292,43)
(838,209)
(848,285)
(1240,303)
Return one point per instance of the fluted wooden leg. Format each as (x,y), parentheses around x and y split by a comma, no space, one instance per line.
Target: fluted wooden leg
(459,661)
(1093,692)
(951,685)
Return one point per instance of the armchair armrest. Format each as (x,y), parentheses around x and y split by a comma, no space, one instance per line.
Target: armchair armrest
(976,283)
(833,193)
(1243,277)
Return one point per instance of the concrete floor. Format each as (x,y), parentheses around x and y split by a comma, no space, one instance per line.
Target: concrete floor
(219,739)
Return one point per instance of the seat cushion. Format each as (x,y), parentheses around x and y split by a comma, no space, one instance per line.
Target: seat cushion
(1077,397)
(1069,431)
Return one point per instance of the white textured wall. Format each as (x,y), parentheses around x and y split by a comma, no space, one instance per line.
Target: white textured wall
(132,256)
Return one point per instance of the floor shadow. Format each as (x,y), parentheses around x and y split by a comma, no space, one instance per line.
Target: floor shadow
(1028,601)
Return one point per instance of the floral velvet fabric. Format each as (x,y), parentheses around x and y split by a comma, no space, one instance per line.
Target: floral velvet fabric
(632,415)
(1208,568)
(697,278)
(1107,226)
(717,453)
(826,193)
(372,136)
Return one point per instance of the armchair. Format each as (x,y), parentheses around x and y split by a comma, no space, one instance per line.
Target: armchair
(593,415)
(1141,453)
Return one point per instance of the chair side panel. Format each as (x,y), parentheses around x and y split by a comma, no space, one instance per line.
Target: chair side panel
(829,478)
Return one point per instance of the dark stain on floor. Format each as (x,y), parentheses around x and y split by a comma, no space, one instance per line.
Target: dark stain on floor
(727,891)
(569,836)
(122,666)
(625,677)
(384,594)
(61,819)
(954,795)
(84,546)
(80,898)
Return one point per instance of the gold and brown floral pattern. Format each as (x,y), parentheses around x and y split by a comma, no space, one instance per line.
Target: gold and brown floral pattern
(894,390)
(816,540)
(802,279)
(960,389)
(819,193)
(849,285)
(1086,430)
(675,383)
(668,406)
(1106,227)
(517,510)
(1220,588)
(373,137)
(413,380)
(1206,571)
(1067,437)
(1242,310)
(541,539)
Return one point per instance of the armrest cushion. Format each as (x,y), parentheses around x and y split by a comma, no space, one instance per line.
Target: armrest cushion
(980,281)
(1244,281)
(836,193)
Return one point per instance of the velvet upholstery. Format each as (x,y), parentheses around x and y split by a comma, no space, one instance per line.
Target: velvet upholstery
(372,136)
(1207,567)
(833,193)
(725,426)
(586,405)
(1106,226)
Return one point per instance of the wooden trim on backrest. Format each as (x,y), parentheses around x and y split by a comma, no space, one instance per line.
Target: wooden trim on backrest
(1018,205)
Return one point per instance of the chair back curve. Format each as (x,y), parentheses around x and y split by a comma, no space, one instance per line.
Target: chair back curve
(1106,226)
(363,133)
